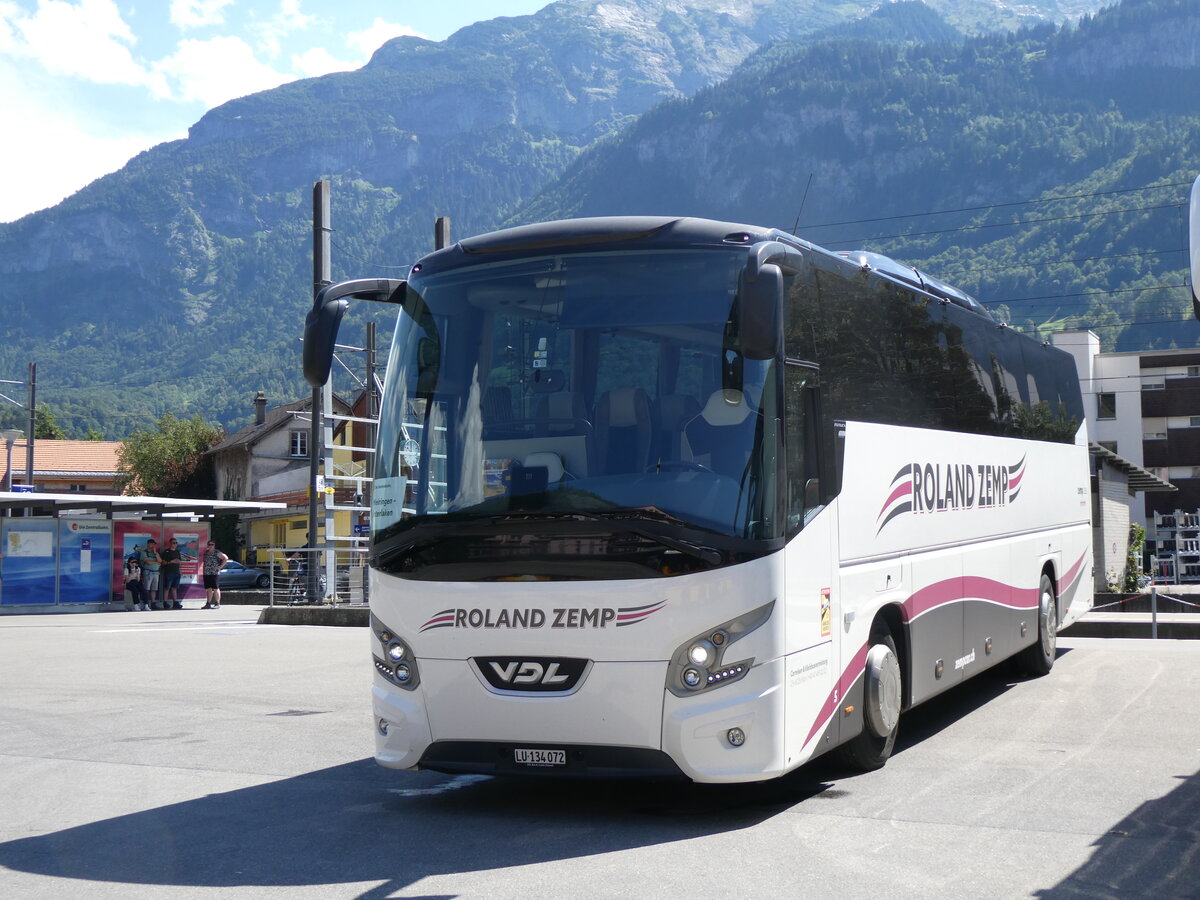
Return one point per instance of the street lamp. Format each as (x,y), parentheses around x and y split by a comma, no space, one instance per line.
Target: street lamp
(10,436)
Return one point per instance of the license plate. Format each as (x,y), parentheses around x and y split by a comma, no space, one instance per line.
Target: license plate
(523,756)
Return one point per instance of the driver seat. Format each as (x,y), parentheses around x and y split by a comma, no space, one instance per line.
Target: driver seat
(624,431)
(720,437)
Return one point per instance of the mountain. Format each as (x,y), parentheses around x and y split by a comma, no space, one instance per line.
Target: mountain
(178,284)
(1059,159)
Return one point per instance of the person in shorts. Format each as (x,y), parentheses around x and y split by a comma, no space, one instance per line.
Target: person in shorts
(171,574)
(213,561)
(151,561)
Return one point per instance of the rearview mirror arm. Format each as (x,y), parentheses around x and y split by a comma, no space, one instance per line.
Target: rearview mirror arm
(323,320)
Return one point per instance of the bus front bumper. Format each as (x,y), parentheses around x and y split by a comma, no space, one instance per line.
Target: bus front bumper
(732,733)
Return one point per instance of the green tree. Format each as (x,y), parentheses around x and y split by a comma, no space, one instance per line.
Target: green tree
(1133,560)
(45,426)
(170,460)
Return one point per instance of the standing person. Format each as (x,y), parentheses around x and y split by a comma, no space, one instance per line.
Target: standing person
(299,586)
(171,574)
(133,583)
(214,561)
(151,561)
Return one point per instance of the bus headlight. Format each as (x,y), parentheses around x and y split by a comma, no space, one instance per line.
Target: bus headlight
(699,664)
(702,653)
(394,659)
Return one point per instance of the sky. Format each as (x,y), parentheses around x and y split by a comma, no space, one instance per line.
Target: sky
(85,85)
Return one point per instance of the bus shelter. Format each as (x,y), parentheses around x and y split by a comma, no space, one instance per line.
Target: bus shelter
(66,552)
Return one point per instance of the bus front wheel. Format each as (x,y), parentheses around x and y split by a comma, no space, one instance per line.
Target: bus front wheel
(1038,658)
(882,697)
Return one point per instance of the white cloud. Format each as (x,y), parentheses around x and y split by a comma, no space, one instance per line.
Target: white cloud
(86,39)
(376,34)
(319,61)
(197,13)
(78,151)
(287,20)
(214,71)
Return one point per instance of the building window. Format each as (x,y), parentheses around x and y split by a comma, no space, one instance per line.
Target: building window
(300,443)
(279,536)
(1194,422)
(1106,406)
(1154,386)
(1193,371)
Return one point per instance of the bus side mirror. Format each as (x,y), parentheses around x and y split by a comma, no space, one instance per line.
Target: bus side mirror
(760,312)
(320,335)
(323,320)
(1194,242)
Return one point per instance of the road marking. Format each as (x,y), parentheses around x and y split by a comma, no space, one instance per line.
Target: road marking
(182,627)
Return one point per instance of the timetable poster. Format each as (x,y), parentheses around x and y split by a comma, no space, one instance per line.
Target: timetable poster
(84,549)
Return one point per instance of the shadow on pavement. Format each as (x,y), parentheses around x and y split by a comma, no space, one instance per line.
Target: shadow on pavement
(1152,852)
(358,822)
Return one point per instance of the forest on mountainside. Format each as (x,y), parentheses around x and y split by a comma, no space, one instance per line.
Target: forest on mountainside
(1043,170)
(1046,172)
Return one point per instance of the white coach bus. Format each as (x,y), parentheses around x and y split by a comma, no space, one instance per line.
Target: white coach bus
(675,497)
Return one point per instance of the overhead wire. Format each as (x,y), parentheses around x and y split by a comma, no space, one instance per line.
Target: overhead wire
(1084,305)
(991,206)
(1013,224)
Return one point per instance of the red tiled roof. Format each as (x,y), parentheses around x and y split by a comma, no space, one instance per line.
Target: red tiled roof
(54,458)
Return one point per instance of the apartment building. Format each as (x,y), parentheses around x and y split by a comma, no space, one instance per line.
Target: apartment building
(1145,406)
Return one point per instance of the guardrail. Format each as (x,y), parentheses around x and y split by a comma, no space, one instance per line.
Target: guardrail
(1154,596)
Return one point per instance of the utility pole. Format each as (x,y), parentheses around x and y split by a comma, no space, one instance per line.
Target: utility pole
(29,432)
(30,422)
(322,275)
(372,412)
(441,232)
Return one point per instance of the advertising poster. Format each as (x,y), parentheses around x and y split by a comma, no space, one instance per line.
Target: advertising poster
(130,536)
(84,550)
(28,561)
(192,537)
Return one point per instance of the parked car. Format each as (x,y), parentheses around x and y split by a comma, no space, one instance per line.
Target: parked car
(235,575)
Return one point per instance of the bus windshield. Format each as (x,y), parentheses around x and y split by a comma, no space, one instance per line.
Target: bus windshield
(598,392)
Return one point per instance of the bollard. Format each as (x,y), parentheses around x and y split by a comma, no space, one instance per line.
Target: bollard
(1154,613)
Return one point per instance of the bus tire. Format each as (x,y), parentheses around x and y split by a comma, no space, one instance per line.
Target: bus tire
(883,695)
(1038,658)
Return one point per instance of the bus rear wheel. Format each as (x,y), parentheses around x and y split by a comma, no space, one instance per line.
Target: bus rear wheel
(1038,658)
(882,698)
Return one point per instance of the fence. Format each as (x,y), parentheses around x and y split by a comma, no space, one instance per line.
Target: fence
(340,575)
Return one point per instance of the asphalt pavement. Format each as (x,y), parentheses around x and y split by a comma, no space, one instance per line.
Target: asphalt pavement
(202,754)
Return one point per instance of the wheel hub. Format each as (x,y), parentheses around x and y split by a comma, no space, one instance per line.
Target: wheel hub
(882,690)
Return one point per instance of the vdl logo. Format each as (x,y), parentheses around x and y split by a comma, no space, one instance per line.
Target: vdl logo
(537,674)
(944,487)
